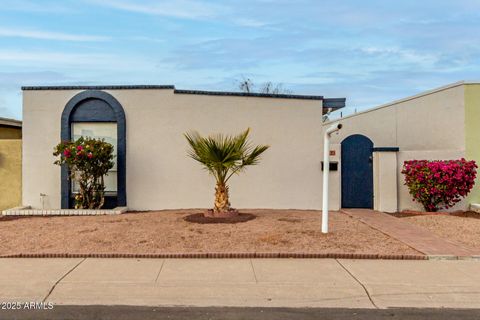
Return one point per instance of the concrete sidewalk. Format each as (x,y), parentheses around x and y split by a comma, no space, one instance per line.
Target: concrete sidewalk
(243,282)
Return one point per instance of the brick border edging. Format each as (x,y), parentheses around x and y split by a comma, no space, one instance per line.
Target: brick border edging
(222,255)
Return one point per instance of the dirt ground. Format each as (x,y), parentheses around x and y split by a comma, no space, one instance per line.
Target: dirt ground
(167,232)
(461,227)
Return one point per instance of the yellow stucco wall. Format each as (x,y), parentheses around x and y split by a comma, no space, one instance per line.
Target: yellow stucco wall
(10,173)
(472,132)
(10,132)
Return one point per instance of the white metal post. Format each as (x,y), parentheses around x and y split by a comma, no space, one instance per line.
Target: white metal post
(326,171)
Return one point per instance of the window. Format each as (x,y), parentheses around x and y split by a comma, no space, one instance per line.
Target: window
(99,130)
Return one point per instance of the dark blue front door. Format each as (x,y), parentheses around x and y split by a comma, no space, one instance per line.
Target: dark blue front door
(357,172)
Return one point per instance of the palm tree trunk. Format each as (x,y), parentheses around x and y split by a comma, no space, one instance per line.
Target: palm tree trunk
(222,202)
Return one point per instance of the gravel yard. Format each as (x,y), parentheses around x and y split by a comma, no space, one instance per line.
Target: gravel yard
(461,227)
(167,232)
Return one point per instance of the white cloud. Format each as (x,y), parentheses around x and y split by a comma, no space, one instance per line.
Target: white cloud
(90,64)
(51,57)
(251,23)
(32,6)
(17,79)
(405,55)
(186,9)
(48,35)
(147,39)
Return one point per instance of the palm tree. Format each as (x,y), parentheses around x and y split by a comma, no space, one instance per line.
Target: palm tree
(223,156)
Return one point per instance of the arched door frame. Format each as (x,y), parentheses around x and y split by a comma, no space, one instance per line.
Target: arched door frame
(100,115)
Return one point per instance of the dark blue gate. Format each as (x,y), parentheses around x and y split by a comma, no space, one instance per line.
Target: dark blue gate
(357,172)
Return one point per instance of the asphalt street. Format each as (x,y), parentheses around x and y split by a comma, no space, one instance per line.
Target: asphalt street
(177,313)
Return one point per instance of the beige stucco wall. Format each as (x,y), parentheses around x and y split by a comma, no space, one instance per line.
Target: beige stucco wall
(334,189)
(10,173)
(427,126)
(385,187)
(160,175)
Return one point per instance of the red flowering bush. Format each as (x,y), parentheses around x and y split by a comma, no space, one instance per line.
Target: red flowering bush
(88,161)
(439,184)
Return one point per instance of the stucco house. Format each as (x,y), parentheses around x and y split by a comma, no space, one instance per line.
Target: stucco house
(10,129)
(146,126)
(10,163)
(371,147)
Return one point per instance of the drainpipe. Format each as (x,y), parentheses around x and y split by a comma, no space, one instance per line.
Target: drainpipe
(326,171)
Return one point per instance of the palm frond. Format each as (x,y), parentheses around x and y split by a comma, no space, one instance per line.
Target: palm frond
(223,155)
(254,156)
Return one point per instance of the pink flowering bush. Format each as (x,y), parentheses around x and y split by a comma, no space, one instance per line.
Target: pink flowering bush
(88,161)
(439,184)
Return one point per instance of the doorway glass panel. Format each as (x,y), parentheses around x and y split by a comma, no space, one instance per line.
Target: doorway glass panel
(99,130)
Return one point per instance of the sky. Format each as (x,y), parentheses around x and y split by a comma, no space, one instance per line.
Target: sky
(369,51)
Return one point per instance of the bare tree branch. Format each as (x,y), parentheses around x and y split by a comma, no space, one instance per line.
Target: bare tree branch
(248,86)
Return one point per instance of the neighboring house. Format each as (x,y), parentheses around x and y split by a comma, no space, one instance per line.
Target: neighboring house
(440,124)
(10,163)
(10,129)
(146,124)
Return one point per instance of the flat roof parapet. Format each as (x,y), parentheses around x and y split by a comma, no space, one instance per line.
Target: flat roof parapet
(10,122)
(110,87)
(249,94)
(177,91)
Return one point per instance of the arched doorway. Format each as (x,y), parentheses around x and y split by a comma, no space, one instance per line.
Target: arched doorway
(97,114)
(357,172)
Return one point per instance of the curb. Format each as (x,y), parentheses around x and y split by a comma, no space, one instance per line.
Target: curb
(453,257)
(444,257)
(221,255)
